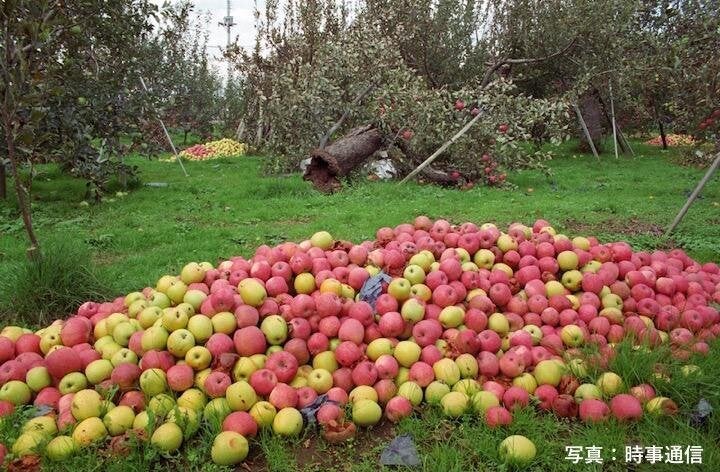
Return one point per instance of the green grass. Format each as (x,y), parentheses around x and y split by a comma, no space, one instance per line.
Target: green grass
(227,208)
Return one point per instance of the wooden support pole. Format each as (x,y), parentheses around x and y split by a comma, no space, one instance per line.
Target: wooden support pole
(587,132)
(240,130)
(167,136)
(442,149)
(614,126)
(693,195)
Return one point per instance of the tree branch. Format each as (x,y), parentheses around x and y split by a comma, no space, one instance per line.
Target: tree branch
(359,98)
(494,66)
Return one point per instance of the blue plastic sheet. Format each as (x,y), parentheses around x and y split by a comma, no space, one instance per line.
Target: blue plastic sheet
(372,288)
(401,451)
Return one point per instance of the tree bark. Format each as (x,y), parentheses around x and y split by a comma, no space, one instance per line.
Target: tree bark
(592,114)
(3,182)
(341,157)
(22,193)
(662,133)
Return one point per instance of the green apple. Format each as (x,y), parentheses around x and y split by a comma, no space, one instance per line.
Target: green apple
(423,259)
(553,287)
(413,310)
(484,259)
(229,448)
(192,273)
(216,410)
(180,342)
(517,450)
(572,335)
(159,299)
(548,372)
(110,349)
(567,260)
(587,391)
(467,386)
(468,365)
(414,274)
(224,322)
(287,422)
(435,391)
(324,360)
(378,347)
(526,382)
(98,370)
(275,329)
(149,316)
(198,357)
(451,317)
(193,399)
(572,280)
(142,421)
(454,404)
(195,298)
(322,239)
(132,297)
(320,380)
(61,448)
(187,418)
(119,419)
(362,392)
(407,353)
(113,320)
(72,383)
(201,327)
(447,371)
(48,340)
(173,319)
(243,369)
(412,391)
(86,404)
(366,412)
(41,424)
(38,378)
(122,332)
(88,431)
(610,384)
(28,444)
(154,337)
(167,437)
(499,323)
(483,400)
(263,413)
(160,405)
(153,382)
(399,289)
(252,292)
(176,291)
(137,307)
(124,356)
(241,396)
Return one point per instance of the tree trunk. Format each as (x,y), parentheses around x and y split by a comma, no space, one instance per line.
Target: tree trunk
(662,133)
(341,157)
(3,182)
(23,195)
(593,116)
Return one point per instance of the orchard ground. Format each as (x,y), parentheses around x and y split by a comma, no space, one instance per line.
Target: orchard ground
(226,207)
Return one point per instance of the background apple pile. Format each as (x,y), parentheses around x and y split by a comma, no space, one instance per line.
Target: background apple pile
(225,147)
(473,320)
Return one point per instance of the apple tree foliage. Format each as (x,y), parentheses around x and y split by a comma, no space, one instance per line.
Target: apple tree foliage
(317,62)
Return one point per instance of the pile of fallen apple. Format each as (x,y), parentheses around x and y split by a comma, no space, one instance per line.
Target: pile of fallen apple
(470,319)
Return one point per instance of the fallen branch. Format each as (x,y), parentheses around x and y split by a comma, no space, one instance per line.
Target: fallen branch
(359,98)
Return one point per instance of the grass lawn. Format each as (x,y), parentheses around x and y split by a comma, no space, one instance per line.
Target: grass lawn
(228,208)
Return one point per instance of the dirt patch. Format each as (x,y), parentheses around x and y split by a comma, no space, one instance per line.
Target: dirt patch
(316,454)
(632,226)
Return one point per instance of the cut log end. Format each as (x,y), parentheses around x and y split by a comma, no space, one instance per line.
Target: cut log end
(341,157)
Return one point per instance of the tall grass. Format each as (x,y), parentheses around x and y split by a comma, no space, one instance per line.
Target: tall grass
(35,292)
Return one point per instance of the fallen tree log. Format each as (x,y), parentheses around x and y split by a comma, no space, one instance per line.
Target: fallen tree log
(341,157)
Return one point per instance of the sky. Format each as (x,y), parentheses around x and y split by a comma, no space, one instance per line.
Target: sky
(244,30)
